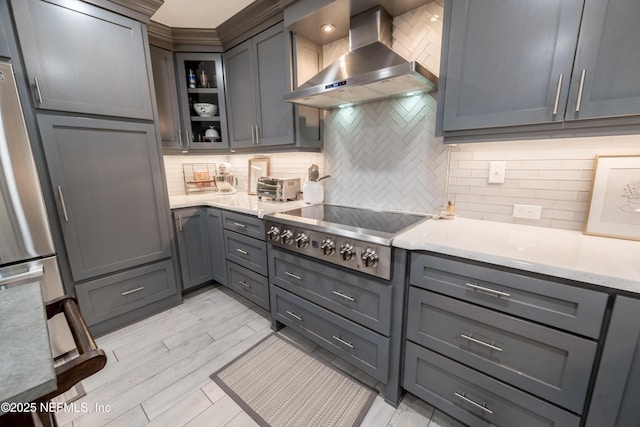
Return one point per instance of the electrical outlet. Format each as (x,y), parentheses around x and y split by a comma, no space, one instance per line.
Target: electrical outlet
(527,211)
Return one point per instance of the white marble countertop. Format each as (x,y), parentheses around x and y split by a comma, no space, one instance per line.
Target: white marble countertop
(26,368)
(613,263)
(239,202)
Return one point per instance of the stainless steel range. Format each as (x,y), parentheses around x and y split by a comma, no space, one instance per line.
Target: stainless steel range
(356,238)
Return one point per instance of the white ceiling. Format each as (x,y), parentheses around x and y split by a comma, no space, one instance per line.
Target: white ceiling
(197,13)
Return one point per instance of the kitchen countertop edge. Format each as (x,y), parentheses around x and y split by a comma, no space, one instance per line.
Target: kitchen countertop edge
(240,202)
(613,264)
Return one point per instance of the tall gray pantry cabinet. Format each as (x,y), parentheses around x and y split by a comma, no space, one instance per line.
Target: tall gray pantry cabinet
(90,78)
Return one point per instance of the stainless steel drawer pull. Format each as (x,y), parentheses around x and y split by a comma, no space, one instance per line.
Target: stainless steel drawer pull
(477,341)
(347,297)
(245,284)
(557,101)
(295,316)
(494,292)
(237,224)
(482,406)
(580,89)
(295,276)
(63,204)
(339,339)
(38,92)
(242,252)
(133,291)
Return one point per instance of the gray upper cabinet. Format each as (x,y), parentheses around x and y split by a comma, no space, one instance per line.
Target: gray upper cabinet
(107,180)
(528,69)
(193,246)
(211,91)
(505,60)
(4,33)
(83,59)
(617,389)
(609,58)
(258,74)
(164,79)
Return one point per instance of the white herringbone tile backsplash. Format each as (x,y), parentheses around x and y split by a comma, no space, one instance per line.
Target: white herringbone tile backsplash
(384,154)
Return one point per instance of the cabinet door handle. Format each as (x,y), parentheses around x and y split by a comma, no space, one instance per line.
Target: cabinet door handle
(257,135)
(132,291)
(38,92)
(482,406)
(188,134)
(340,340)
(477,341)
(242,252)
(295,316)
(63,204)
(580,89)
(245,284)
(489,291)
(237,224)
(345,296)
(180,223)
(295,276)
(557,101)
(253,135)
(180,137)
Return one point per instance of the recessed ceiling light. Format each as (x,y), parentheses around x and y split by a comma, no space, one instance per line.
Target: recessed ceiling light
(328,28)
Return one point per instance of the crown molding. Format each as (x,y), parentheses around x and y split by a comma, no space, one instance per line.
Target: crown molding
(145,7)
(251,20)
(160,35)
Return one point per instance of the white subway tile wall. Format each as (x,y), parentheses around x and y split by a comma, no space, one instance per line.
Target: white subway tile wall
(555,174)
(282,165)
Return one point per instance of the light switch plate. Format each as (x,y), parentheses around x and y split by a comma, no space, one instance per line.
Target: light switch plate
(496,172)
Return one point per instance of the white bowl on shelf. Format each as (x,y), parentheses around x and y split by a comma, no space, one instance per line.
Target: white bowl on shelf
(205,109)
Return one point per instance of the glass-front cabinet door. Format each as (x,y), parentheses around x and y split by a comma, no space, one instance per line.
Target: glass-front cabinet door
(202,101)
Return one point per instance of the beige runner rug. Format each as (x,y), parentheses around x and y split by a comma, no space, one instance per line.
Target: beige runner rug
(279,384)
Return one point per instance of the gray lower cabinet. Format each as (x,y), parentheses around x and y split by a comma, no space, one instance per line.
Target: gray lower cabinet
(193,246)
(164,81)
(360,346)
(84,59)
(553,365)
(217,254)
(246,255)
(617,388)
(5,29)
(474,398)
(257,75)
(121,293)
(111,204)
(498,346)
(528,69)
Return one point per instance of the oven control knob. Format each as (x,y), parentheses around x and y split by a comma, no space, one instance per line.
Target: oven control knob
(286,237)
(346,250)
(302,240)
(328,247)
(369,258)
(274,233)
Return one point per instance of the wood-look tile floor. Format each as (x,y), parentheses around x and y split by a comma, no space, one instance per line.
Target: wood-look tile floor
(158,370)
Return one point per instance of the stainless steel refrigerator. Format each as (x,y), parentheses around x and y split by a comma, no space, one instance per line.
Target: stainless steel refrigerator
(26,248)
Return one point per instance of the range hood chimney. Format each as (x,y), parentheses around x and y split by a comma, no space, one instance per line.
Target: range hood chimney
(369,71)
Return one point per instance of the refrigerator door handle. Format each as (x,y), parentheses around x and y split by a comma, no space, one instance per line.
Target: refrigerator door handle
(34,272)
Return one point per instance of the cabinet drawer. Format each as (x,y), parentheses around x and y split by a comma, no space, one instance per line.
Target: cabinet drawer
(473,398)
(120,293)
(245,224)
(556,304)
(553,365)
(250,285)
(359,346)
(358,298)
(246,251)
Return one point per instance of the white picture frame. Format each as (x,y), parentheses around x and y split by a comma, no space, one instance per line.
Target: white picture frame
(614,205)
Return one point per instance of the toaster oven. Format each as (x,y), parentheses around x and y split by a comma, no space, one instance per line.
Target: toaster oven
(282,189)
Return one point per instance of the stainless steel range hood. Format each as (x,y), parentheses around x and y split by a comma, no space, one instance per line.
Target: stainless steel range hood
(369,71)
